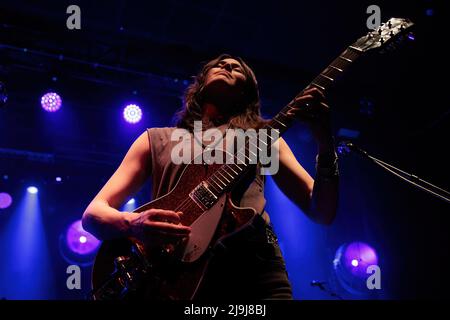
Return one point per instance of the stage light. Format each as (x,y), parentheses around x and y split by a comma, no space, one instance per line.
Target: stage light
(132,113)
(51,102)
(80,241)
(5,200)
(29,272)
(129,206)
(58,179)
(32,190)
(350,265)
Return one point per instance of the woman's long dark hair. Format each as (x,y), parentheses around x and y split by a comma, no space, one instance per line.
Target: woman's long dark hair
(247,115)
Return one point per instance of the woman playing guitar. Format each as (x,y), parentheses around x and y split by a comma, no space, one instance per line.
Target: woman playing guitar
(223,95)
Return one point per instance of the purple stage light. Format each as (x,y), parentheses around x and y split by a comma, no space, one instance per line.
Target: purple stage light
(80,241)
(351,263)
(51,102)
(5,200)
(132,113)
(364,256)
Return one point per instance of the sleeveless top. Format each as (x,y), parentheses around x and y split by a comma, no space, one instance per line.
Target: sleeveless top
(165,173)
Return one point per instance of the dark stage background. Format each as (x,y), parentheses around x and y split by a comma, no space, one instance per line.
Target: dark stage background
(146,52)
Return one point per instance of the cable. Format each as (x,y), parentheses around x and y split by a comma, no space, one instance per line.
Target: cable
(347,146)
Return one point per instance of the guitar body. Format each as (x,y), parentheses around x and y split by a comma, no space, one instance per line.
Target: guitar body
(169,273)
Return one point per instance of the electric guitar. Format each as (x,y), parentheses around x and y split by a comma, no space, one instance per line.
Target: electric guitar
(126,269)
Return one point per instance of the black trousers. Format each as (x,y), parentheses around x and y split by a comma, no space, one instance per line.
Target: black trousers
(249,266)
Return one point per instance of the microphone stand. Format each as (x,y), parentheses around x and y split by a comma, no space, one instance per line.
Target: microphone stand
(346,147)
(321,286)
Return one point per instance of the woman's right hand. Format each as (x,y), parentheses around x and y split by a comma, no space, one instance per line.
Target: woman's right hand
(157,227)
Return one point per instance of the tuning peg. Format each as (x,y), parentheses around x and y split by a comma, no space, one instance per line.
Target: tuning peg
(389,24)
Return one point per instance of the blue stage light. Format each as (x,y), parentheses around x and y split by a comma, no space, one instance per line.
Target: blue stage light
(32,190)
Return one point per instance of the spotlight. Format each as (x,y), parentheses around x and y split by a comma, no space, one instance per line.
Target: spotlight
(32,190)
(130,205)
(58,179)
(51,102)
(132,113)
(5,200)
(80,241)
(350,265)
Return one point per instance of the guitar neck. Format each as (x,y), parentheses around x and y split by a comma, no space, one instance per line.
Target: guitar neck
(228,174)
(282,121)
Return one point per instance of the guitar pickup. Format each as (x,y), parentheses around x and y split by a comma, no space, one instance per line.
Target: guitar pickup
(202,196)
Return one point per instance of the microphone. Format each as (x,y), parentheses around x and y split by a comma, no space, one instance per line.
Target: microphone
(345,147)
(321,286)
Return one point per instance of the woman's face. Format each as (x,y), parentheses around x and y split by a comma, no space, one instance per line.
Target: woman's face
(228,72)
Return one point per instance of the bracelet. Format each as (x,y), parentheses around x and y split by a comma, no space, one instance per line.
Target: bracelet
(330,170)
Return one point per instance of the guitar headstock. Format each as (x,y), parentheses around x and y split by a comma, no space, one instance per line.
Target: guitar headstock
(386,34)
